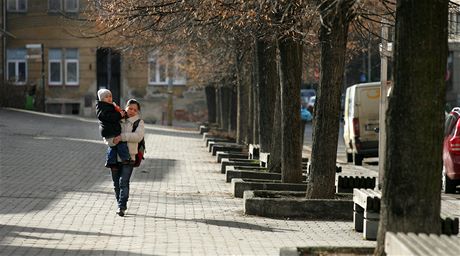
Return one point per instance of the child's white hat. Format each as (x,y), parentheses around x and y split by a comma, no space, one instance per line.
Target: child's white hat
(103,93)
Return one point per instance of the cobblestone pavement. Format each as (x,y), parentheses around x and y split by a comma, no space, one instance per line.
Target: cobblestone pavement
(57,198)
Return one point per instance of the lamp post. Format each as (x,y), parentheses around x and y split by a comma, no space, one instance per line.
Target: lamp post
(170,90)
(33,49)
(385,86)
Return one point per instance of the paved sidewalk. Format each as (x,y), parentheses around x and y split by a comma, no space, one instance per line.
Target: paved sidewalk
(57,198)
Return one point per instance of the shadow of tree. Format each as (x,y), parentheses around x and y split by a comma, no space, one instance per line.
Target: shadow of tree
(155,169)
(223,223)
(29,250)
(12,229)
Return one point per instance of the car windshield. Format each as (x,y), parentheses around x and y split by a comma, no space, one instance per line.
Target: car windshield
(307,93)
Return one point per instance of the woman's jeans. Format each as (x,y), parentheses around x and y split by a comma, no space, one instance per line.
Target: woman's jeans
(120,179)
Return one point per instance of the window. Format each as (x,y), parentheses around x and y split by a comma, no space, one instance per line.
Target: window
(71,5)
(17,5)
(17,65)
(71,66)
(454,23)
(63,5)
(54,5)
(63,63)
(55,66)
(179,76)
(158,70)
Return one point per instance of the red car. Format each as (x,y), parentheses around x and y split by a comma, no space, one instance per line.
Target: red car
(451,151)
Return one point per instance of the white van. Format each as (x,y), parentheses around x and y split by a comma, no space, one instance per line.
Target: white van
(361,121)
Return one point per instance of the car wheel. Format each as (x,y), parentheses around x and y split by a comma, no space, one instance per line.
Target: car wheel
(349,157)
(357,159)
(449,185)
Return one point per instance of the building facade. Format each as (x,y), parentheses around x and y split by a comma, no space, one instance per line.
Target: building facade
(45,52)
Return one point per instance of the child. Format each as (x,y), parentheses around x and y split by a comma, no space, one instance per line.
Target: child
(109,115)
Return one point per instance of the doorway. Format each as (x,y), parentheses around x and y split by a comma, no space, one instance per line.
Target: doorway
(108,71)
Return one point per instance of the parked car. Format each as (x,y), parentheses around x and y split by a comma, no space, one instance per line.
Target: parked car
(311,104)
(451,151)
(305,95)
(361,121)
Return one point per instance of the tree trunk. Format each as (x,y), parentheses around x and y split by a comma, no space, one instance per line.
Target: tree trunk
(242,123)
(290,80)
(268,81)
(243,103)
(226,107)
(210,92)
(411,192)
(274,165)
(218,106)
(234,109)
(248,80)
(255,94)
(333,37)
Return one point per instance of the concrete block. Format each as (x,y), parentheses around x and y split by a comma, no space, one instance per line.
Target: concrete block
(264,158)
(327,250)
(238,163)
(289,204)
(240,185)
(222,140)
(203,129)
(421,244)
(230,155)
(370,228)
(358,217)
(254,151)
(242,174)
(228,147)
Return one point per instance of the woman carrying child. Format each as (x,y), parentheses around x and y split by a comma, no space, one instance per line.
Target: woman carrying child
(121,174)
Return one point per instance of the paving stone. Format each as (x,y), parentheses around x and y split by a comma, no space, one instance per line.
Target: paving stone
(57,197)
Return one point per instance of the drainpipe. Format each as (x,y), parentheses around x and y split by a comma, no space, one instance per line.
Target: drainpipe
(4,40)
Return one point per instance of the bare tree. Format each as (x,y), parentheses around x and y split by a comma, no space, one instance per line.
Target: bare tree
(335,17)
(411,191)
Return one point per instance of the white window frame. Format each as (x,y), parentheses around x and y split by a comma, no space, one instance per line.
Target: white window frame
(16,71)
(17,5)
(153,61)
(64,70)
(67,82)
(66,8)
(60,72)
(179,77)
(50,61)
(454,23)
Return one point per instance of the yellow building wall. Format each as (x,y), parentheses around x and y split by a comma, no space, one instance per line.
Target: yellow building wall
(38,26)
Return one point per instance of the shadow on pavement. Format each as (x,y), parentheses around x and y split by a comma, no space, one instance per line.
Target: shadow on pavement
(17,230)
(46,157)
(220,223)
(171,132)
(155,169)
(31,250)
(238,224)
